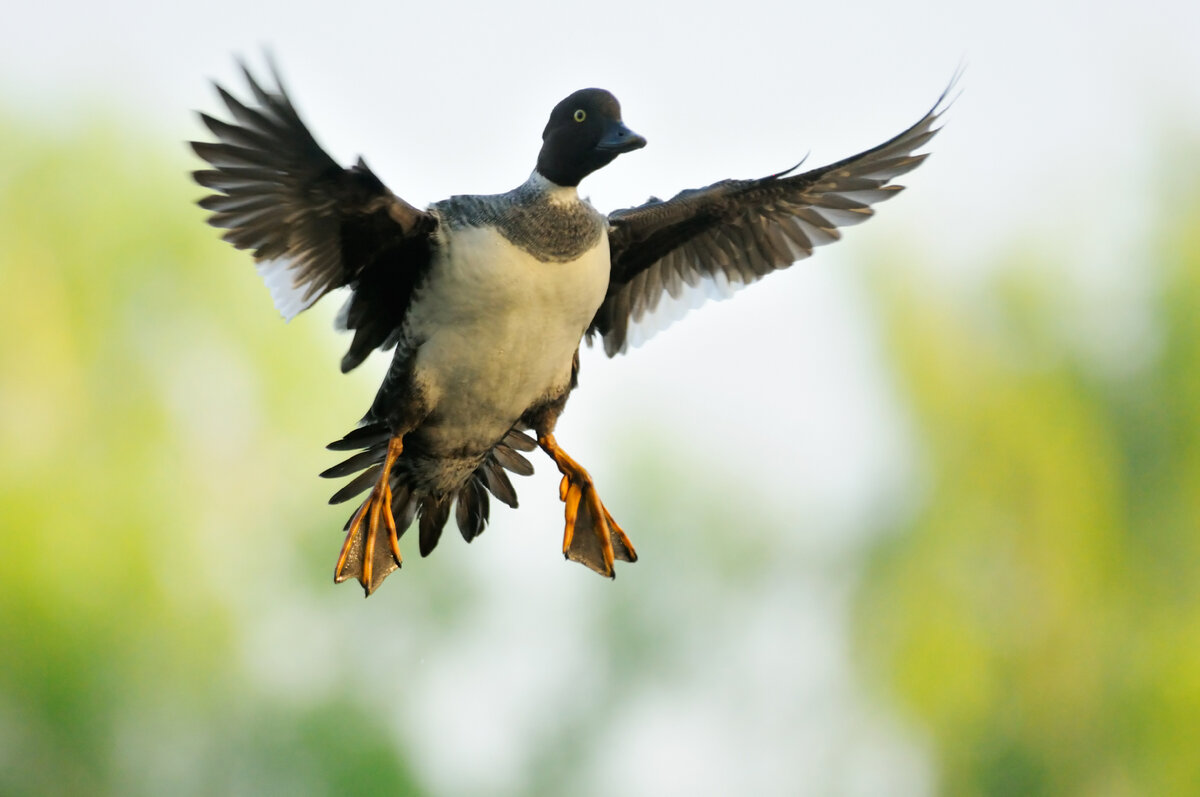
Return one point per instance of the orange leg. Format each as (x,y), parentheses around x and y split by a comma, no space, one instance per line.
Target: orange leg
(591,537)
(362,554)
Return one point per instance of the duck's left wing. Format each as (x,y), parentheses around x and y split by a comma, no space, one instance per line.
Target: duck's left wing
(312,225)
(709,241)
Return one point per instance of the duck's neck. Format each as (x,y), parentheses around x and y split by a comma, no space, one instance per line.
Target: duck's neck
(553,191)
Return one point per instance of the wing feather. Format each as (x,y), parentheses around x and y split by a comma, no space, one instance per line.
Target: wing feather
(734,232)
(311,225)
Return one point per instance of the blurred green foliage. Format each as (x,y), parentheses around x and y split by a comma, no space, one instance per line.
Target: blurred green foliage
(1040,614)
(119,664)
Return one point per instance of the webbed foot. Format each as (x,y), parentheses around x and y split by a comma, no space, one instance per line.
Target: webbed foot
(592,537)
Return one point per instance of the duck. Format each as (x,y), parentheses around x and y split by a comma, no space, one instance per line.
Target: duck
(485,300)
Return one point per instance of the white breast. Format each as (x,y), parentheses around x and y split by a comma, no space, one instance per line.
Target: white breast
(500,329)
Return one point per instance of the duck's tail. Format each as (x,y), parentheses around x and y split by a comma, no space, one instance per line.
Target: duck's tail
(371,552)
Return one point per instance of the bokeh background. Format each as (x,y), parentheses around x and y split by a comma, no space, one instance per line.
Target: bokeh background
(918,516)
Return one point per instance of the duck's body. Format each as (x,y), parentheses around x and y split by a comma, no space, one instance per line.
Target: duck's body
(507,307)
(496,324)
(487,298)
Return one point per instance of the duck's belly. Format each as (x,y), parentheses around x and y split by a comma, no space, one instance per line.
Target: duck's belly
(499,331)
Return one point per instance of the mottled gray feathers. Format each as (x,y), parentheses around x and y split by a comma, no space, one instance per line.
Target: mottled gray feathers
(551,231)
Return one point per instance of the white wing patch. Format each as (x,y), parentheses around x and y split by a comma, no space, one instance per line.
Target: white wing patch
(683,280)
(289,298)
(647,322)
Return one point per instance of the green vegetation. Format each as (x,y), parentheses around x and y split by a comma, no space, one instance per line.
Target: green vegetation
(1040,614)
(119,616)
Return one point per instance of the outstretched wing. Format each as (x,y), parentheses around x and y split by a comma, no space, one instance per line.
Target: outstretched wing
(709,241)
(312,225)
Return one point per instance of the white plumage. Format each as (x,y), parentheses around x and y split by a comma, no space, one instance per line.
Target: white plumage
(288,297)
(499,330)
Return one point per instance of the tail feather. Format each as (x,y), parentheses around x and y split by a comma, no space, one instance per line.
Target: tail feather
(518,439)
(368,436)
(471,503)
(404,507)
(472,511)
(497,482)
(511,460)
(434,513)
(359,485)
(355,463)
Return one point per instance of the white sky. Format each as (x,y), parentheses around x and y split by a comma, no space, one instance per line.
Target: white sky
(1065,106)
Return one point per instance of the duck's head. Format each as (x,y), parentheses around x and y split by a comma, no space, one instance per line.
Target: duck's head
(585,132)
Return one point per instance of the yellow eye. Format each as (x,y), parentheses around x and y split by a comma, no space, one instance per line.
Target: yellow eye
(580,115)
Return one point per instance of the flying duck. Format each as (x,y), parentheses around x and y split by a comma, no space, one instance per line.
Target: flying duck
(486,299)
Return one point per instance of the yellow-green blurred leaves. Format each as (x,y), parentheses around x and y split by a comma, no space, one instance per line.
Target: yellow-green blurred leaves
(154,420)
(1039,613)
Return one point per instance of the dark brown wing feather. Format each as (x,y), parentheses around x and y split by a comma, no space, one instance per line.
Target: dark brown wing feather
(280,195)
(736,231)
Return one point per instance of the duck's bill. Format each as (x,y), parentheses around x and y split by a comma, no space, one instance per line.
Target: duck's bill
(619,138)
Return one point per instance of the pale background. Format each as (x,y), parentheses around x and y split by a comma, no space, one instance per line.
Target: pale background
(781,392)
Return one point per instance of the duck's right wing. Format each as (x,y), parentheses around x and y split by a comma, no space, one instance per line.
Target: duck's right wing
(312,225)
(709,241)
